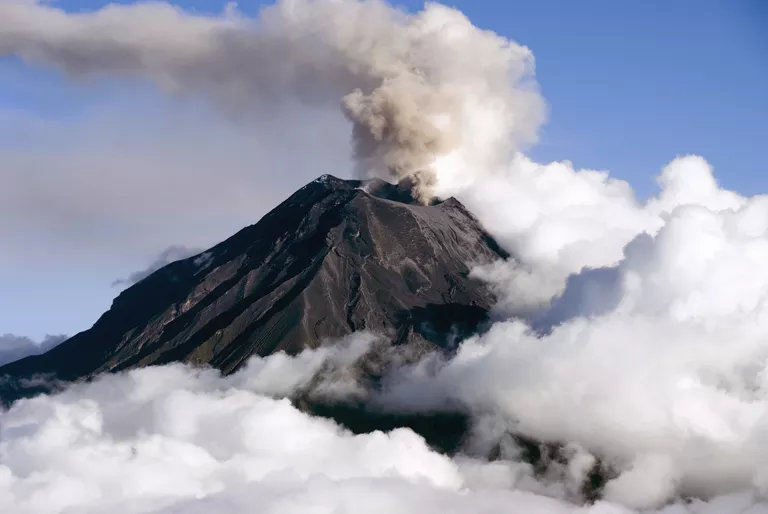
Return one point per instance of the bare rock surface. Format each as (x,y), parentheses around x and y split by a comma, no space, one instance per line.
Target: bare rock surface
(336,257)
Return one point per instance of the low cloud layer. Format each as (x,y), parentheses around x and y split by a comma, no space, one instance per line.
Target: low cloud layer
(175,439)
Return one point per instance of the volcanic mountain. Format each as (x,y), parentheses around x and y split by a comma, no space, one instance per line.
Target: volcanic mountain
(336,257)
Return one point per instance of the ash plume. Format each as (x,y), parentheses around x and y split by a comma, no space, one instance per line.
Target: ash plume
(417,88)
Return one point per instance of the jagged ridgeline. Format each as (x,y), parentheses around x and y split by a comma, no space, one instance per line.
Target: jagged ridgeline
(336,257)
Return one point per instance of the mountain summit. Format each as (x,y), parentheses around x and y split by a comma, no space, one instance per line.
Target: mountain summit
(336,257)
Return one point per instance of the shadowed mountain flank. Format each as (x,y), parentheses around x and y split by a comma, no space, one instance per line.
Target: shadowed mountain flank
(336,257)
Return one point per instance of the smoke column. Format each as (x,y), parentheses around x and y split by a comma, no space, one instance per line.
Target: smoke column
(415,87)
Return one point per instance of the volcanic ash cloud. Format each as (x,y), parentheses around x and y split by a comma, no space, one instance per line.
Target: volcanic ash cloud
(418,88)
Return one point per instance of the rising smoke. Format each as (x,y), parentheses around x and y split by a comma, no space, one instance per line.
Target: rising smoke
(415,87)
(640,327)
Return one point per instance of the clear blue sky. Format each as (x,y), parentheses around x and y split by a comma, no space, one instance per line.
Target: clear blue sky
(630,85)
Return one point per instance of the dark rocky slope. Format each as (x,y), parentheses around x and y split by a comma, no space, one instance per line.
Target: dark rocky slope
(336,257)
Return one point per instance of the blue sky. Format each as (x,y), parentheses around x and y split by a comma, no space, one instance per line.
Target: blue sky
(630,85)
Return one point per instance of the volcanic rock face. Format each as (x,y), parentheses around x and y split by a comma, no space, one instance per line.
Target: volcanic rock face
(336,257)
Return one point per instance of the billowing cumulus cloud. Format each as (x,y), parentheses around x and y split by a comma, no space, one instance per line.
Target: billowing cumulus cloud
(557,220)
(655,363)
(175,439)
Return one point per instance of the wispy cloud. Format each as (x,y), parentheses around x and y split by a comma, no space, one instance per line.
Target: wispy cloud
(14,347)
(171,254)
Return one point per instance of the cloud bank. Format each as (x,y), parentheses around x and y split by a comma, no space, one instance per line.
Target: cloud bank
(175,439)
(651,354)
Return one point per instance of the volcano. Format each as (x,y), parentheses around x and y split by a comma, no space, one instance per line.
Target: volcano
(336,257)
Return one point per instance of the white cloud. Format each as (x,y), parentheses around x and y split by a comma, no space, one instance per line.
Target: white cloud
(174,439)
(557,220)
(656,363)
